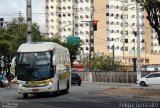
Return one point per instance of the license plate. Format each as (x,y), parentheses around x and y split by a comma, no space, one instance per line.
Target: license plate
(35,90)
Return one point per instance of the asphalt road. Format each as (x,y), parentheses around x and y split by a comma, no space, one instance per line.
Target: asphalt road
(85,96)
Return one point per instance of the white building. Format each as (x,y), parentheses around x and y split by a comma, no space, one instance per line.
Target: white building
(121,20)
(64,18)
(117,21)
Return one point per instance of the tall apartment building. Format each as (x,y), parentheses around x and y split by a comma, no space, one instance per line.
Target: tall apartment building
(117,23)
(64,18)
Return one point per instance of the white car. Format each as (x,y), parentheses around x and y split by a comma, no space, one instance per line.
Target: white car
(150,79)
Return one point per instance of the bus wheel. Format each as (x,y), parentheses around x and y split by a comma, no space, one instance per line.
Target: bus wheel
(25,96)
(57,92)
(67,88)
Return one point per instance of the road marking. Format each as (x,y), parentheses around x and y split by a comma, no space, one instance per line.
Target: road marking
(75,99)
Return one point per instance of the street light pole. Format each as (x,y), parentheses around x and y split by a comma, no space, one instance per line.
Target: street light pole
(138,45)
(60,30)
(29,20)
(135,34)
(113,60)
(91,39)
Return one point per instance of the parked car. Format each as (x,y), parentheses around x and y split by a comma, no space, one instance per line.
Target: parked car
(150,79)
(76,79)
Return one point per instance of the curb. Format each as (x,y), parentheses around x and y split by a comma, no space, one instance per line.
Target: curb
(130,85)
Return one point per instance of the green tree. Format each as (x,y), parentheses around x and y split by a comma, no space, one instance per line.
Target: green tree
(152,8)
(4,48)
(16,34)
(73,50)
(103,63)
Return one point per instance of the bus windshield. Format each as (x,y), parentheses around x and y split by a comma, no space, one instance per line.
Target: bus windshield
(34,66)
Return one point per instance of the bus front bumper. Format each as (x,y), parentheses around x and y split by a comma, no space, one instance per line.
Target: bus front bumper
(48,88)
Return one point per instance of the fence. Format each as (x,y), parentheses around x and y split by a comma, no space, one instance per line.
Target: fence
(112,77)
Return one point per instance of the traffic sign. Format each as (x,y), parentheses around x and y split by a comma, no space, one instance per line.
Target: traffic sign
(73,40)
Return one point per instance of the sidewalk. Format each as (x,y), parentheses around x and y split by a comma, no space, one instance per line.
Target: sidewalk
(143,93)
(129,90)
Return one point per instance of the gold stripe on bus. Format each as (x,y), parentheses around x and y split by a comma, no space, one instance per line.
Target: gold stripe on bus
(65,75)
(40,82)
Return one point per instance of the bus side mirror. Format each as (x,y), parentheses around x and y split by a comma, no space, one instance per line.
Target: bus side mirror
(13,66)
(53,60)
(13,63)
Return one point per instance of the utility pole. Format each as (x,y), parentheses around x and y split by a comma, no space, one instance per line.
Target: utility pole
(113,60)
(91,39)
(138,45)
(20,18)
(29,20)
(92,28)
(1,22)
(134,59)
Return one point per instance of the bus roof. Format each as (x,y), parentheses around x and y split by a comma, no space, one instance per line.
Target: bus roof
(39,47)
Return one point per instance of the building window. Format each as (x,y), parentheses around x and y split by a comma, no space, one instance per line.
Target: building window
(111,14)
(87,24)
(107,47)
(107,6)
(86,48)
(47,7)
(133,24)
(64,15)
(69,7)
(69,29)
(87,9)
(86,16)
(86,40)
(133,40)
(126,40)
(59,15)
(87,32)
(142,41)
(107,14)
(126,48)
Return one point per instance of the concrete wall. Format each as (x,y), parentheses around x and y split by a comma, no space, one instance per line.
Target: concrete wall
(112,77)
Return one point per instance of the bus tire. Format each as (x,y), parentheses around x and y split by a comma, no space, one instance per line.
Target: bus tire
(57,92)
(67,87)
(25,96)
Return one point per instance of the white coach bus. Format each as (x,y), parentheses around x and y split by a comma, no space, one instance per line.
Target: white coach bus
(42,67)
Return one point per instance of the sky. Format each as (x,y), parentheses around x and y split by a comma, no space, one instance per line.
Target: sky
(10,9)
